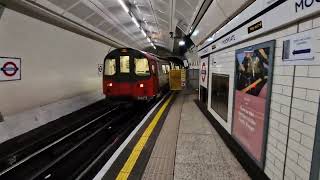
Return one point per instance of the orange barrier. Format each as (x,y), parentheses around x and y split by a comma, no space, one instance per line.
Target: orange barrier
(177,79)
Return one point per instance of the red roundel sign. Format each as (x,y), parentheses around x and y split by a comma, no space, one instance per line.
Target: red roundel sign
(9,68)
(203,72)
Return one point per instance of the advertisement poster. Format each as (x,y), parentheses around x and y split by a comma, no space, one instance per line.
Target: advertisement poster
(253,77)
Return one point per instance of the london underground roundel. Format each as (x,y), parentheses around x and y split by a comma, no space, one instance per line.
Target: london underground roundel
(10,68)
(203,71)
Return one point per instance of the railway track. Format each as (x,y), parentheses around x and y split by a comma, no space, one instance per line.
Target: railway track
(81,152)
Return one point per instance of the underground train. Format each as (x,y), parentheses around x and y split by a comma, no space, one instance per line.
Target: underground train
(131,74)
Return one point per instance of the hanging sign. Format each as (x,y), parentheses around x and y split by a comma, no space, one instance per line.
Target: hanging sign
(10,69)
(298,49)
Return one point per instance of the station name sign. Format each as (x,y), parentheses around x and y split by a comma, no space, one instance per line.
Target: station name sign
(229,39)
(300,5)
(283,13)
(255,27)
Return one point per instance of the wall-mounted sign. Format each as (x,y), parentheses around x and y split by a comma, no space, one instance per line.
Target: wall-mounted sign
(253,75)
(100,69)
(301,5)
(255,27)
(284,12)
(204,72)
(10,69)
(204,51)
(298,49)
(229,39)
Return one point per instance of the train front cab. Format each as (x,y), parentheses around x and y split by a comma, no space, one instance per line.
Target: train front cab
(129,74)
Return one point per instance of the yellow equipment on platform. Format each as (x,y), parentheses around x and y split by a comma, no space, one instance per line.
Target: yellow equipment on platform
(177,79)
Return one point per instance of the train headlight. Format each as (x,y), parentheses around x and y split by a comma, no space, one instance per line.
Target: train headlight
(109,84)
(141,85)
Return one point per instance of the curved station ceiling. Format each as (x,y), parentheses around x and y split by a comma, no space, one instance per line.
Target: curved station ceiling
(134,23)
(140,24)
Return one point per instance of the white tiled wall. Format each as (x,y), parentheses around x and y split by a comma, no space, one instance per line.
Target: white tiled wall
(292,159)
(224,64)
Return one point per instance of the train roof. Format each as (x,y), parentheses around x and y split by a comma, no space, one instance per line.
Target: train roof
(173,59)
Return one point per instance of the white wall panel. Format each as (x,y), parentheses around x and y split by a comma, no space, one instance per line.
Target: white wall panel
(56,64)
(305,97)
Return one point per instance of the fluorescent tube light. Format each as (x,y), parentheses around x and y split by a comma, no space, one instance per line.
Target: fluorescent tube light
(135,21)
(124,6)
(182,43)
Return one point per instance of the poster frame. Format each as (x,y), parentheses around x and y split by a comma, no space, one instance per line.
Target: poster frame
(315,163)
(271,44)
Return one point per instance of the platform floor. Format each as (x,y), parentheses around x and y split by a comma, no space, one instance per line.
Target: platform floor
(188,147)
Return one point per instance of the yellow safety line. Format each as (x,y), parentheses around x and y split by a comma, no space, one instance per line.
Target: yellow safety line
(131,161)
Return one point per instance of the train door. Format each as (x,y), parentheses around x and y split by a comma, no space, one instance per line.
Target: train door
(125,73)
(203,80)
(155,80)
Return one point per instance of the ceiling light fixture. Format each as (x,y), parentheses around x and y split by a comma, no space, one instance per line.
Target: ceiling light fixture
(182,43)
(195,33)
(143,32)
(124,6)
(135,21)
(209,39)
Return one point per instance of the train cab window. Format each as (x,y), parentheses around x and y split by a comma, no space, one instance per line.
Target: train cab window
(124,64)
(141,67)
(110,67)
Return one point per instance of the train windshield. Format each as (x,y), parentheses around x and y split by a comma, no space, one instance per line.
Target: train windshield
(141,67)
(124,64)
(110,67)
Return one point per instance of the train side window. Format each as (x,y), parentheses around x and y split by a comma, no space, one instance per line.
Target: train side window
(164,69)
(141,67)
(168,68)
(153,69)
(110,67)
(124,64)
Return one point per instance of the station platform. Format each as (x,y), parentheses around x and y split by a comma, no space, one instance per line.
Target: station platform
(183,145)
